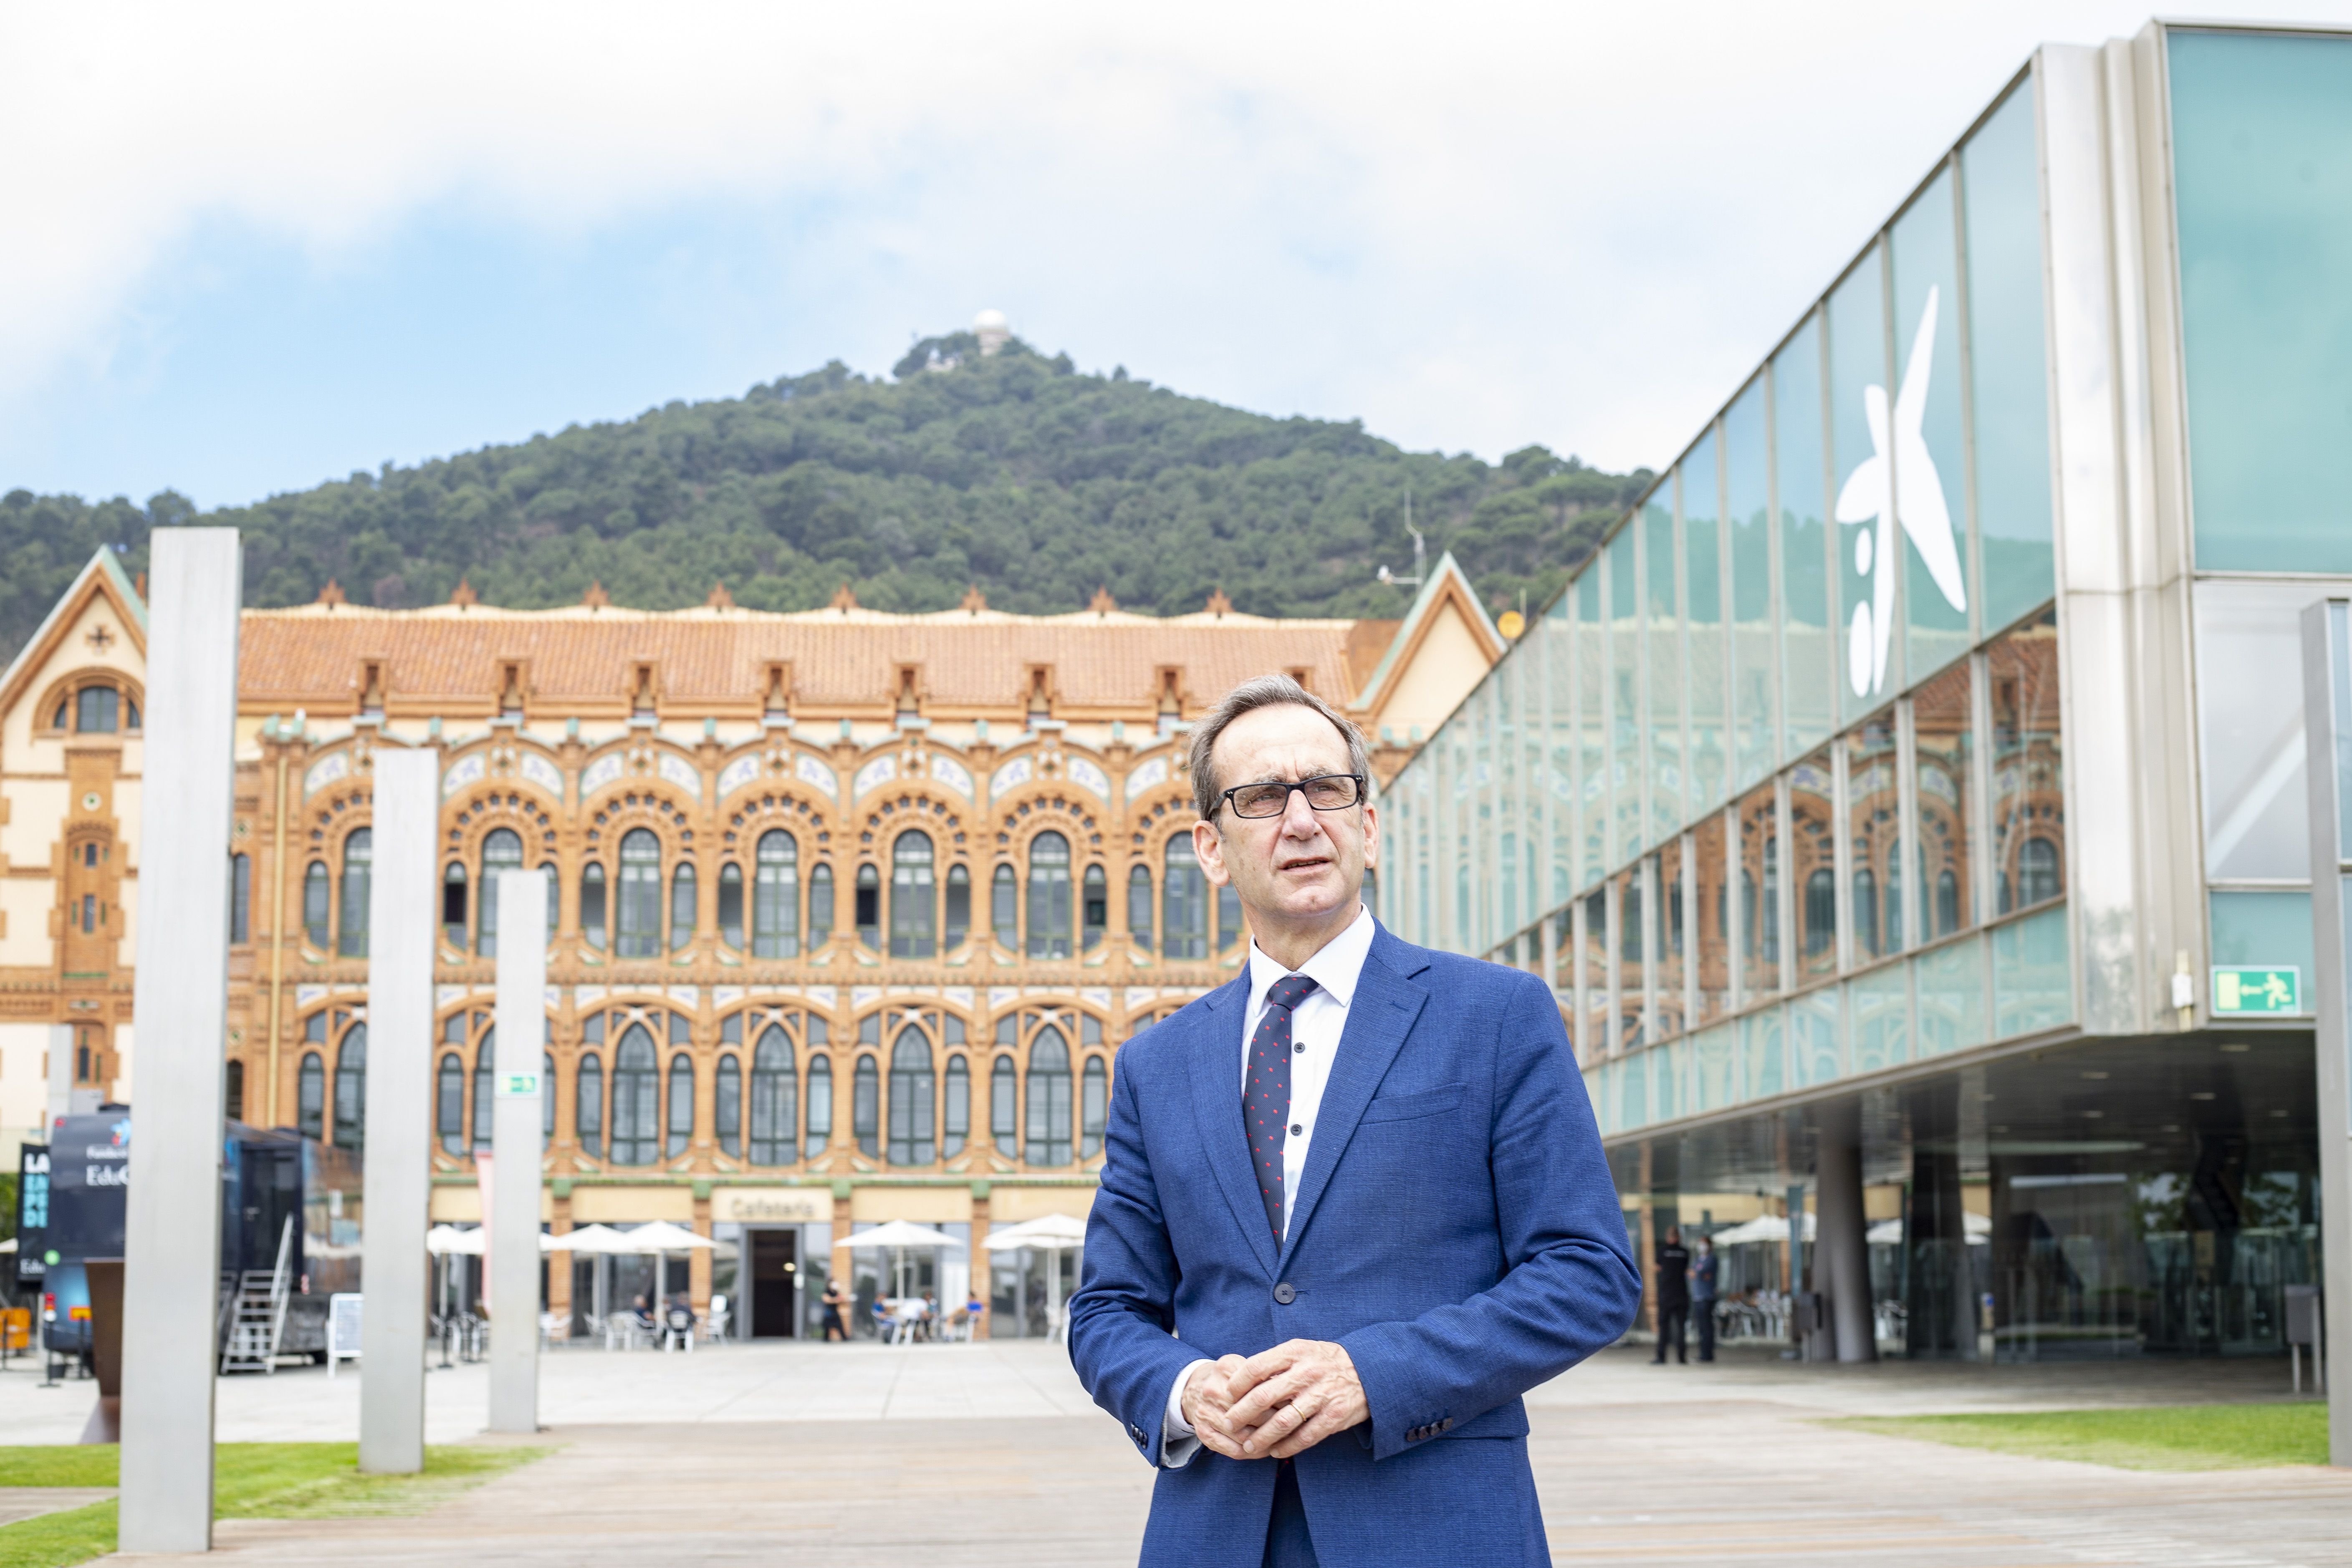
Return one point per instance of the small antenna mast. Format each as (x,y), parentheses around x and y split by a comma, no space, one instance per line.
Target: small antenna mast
(1420,552)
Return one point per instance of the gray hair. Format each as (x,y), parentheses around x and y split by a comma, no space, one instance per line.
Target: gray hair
(1264,691)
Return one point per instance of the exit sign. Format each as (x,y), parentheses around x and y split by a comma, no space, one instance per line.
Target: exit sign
(2258,990)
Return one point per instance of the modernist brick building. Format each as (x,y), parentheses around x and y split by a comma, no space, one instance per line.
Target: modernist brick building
(852,910)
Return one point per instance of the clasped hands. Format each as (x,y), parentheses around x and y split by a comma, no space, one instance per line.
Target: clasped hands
(1276,1404)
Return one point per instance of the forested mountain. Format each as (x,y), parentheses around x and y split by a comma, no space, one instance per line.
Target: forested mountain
(1010,472)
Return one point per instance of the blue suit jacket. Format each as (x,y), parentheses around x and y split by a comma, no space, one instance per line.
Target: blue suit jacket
(1455,1228)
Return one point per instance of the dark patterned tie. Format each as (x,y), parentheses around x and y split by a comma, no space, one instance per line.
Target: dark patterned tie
(1265,1092)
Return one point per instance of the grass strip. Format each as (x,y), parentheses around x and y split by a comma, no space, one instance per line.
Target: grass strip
(250,1481)
(2149,1438)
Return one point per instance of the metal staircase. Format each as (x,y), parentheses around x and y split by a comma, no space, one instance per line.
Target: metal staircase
(257,1318)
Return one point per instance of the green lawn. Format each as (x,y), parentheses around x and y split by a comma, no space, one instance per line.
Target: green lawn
(250,1481)
(2159,1438)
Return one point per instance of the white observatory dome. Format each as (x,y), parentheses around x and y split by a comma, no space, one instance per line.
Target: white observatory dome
(991,329)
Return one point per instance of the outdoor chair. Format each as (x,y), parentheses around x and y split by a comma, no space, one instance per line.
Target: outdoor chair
(678,1328)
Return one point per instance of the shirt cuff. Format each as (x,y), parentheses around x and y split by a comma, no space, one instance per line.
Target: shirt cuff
(1176,1442)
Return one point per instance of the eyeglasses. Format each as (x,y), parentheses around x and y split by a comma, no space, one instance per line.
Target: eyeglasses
(1324,791)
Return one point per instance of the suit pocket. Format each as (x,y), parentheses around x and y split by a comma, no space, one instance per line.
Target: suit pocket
(1406,1107)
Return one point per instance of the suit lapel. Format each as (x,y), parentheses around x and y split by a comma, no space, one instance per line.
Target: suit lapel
(1216,1071)
(1379,1018)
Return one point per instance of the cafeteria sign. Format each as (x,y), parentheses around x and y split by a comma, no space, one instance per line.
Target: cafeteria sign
(2243,990)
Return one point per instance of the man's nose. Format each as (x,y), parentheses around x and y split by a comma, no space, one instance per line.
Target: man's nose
(1298,819)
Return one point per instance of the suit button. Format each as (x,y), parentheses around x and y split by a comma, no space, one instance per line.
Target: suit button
(1285,1293)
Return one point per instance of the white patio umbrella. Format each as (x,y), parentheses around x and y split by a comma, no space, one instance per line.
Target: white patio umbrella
(449,1241)
(598,1241)
(1763,1228)
(898,1235)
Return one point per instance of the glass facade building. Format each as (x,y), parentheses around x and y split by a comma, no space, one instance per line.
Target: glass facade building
(1900,798)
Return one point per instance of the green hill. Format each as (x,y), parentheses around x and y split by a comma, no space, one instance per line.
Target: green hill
(1013,473)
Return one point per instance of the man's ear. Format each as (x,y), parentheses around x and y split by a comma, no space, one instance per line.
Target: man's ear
(1209,848)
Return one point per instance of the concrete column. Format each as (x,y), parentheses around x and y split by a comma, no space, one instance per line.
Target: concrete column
(403,923)
(515,1136)
(1843,1259)
(172,1231)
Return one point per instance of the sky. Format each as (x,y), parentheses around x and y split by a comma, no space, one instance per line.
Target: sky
(255,247)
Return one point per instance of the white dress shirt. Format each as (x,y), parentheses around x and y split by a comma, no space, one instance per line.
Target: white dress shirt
(1316,1025)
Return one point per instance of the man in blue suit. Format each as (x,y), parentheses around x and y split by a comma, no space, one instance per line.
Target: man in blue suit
(1354,1204)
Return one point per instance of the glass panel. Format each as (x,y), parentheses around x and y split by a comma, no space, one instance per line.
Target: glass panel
(1748,510)
(2029,808)
(1714,1058)
(1703,585)
(1049,1099)
(634,1095)
(2031,986)
(1952,997)
(592,904)
(957,922)
(449,1103)
(314,905)
(485,1084)
(866,907)
(2009,393)
(1662,618)
(1763,1054)
(1930,473)
(1625,777)
(1600,1028)
(2262,138)
(1881,1004)
(1875,826)
(1049,896)
(1666,1080)
(1094,907)
(1941,727)
(1004,1102)
(1710,872)
(2257,810)
(774,1113)
(728,1105)
(1185,902)
(1809,658)
(1865,537)
(1230,924)
(1813,866)
(1138,906)
(1666,873)
(682,907)
(1592,728)
(1814,1037)
(502,851)
(914,905)
(1634,1091)
(640,901)
(864,1111)
(1759,895)
(1559,746)
(819,906)
(956,1130)
(1004,916)
(588,1105)
(913,1099)
(820,1100)
(1094,1103)
(775,897)
(1491,713)
(1631,934)
(681,1104)
(350,1089)
(2272,929)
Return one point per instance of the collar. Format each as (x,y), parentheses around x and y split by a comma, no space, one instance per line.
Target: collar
(1336,966)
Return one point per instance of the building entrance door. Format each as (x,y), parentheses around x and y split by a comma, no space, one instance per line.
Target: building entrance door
(774,1264)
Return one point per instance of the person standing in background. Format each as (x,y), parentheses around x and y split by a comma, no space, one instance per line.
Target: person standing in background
(1702,1297)
(1673,1296)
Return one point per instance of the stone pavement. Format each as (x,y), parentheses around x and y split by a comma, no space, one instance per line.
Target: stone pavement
(989,1454)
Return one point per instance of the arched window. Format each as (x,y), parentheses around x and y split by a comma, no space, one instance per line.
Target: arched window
(913,902)
(727,1108)
(820,1103)
(1049,1099)
(682,914)
(959,917)
(1094,1105)
(63,718)
(913,1100)
(638,928)
(502,851)
(592,904)
(2038,876)
(449,1103)
(1821,911)
(1094,908)
(314,905)
(311,1096)
(351,1089)
(359,859)
(820,905)
(774,1118)
(1138,906)
(236,1091)
(1185,902)
(635,1093)
(776,897)
(96,710)
(865,1114)
(1229,917)
(870,908)
(956,1129)
(1049,896)
(588,1105)
(730,904)
(554,899)
(681,1104)
(546,1098)
(1003,1108)
(1003,909)
(240,898)
(453,905)
(486,1061)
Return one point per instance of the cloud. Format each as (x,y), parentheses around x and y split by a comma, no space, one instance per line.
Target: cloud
(1474,225)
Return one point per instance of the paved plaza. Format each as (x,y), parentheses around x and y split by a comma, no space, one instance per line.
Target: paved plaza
(989,1454)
